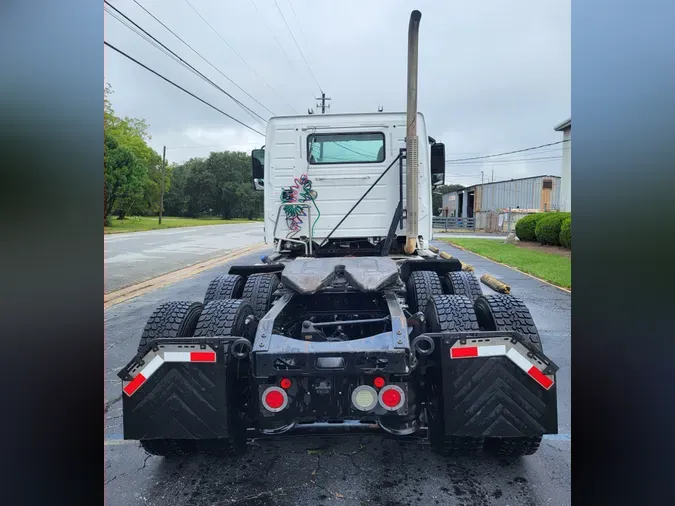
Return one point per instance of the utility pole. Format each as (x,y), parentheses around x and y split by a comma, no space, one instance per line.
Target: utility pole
(322,103)
(161,195)
(481,177)
(493,173)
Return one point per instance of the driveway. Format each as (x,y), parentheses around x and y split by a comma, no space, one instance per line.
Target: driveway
(339,470)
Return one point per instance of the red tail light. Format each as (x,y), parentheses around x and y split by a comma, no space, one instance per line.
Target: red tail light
(274,399)
(392,398)
(285,383)
(378,382)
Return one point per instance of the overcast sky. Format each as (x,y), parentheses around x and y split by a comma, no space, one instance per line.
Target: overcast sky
(494,75)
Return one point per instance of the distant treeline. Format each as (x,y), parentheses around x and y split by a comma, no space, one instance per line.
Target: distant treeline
(219,185)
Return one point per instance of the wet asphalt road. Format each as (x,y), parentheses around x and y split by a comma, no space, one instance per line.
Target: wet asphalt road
(136,256)
(340,470)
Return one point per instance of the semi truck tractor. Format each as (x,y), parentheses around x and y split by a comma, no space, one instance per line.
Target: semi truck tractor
(351,323)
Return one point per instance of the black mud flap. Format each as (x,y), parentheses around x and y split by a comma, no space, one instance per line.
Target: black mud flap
(178,389)
(496,384)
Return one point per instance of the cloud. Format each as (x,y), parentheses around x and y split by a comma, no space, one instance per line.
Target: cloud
(494,75)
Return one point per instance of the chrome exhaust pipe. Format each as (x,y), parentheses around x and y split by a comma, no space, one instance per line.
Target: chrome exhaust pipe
(411,139)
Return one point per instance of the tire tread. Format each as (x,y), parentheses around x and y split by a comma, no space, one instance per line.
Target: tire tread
(259,290)
(225,286)
(464,283)
(422,287)
(171,320)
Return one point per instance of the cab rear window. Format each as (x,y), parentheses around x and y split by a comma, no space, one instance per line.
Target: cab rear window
(358,147)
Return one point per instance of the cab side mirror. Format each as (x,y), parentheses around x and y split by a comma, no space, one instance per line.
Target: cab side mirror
(437,163)
(258,168)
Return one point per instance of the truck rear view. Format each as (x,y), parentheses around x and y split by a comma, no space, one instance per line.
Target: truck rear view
(351,323)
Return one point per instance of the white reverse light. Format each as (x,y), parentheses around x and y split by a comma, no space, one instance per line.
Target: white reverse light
(364,398)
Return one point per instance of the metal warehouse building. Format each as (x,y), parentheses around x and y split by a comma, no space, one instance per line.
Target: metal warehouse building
(538,193)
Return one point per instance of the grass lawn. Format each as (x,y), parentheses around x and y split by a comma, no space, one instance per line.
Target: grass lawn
(555,269)
(140,223)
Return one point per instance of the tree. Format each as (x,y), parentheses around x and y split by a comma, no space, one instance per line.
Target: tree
(219,185)
(132,134)
(439,191)
(124,177)
(175,198)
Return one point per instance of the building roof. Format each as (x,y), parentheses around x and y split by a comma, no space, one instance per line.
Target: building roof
(564,125)
(504,181)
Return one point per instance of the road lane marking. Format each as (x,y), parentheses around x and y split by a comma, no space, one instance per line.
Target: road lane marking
(112,298)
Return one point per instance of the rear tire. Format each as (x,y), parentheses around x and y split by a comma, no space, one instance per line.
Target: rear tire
(506,312)
(422,286)
(228,318)
(225,286)
(448,313)
(170,320)
(259,290)
(463,283)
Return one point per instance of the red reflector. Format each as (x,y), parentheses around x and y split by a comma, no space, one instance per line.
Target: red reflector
(285,383)
(540,378)
(202,356)
(134,384)
(274,399)
(464,352)
(378,382)
(391,398)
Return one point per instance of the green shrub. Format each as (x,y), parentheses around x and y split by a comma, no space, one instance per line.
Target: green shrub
(566,233)
(547,230)
(525,226)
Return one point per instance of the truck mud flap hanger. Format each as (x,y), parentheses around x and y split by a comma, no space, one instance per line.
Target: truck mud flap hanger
(179,350)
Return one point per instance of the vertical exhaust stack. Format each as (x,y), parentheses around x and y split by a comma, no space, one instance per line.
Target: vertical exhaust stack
(411,139)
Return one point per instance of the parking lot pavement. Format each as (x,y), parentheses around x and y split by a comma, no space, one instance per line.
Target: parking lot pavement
(354,470)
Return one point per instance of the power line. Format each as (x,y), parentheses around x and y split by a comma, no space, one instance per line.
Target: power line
(156,43)
(269,29)
(211,146)
(297,45)
(181,88)
(304,39)
(199,54)
(508,152)
(508,160)
(239,56)
(478,153)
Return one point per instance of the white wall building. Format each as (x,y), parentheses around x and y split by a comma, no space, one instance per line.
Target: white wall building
(566,179)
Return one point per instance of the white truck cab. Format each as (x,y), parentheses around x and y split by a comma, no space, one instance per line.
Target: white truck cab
(328,162)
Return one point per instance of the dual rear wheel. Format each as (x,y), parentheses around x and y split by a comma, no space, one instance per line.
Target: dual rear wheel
(258,289)
(456,304)
(193,319)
